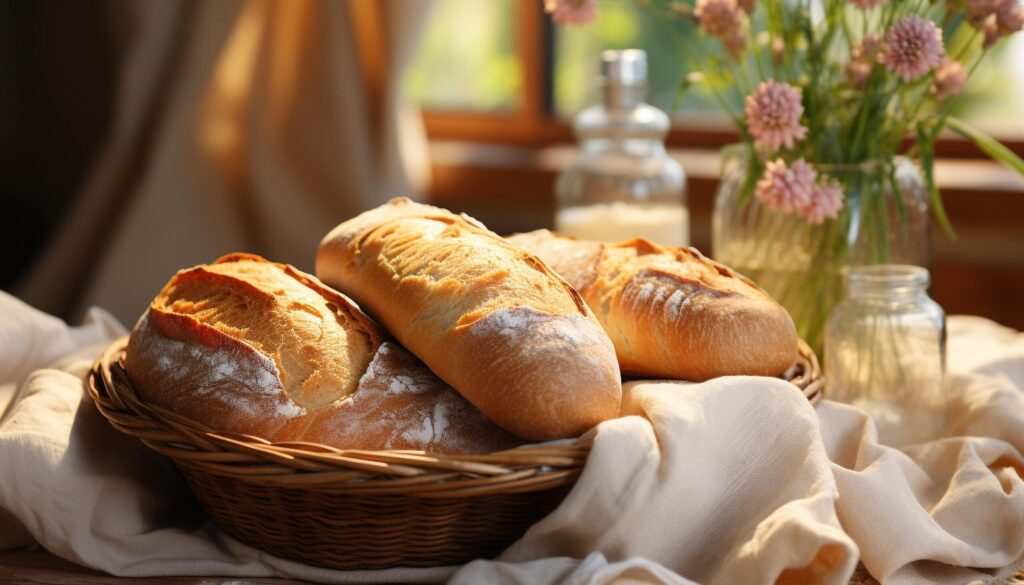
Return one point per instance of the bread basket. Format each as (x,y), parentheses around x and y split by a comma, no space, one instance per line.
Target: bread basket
(354,509)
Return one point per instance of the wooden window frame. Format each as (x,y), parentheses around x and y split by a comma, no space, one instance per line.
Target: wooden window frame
(532,124)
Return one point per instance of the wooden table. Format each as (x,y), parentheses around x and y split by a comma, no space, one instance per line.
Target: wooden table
(32,567)
(40,567)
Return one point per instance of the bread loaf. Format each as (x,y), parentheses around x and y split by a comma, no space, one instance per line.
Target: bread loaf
(671,312)
(491,320)
(252,347)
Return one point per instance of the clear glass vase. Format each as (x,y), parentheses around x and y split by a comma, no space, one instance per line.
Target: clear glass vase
(884,220)
(885,352)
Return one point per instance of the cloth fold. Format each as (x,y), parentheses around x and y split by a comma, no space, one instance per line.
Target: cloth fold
(736,480)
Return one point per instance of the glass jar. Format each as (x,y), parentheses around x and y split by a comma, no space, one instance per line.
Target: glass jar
(885,352)
(885,219)
(623,184)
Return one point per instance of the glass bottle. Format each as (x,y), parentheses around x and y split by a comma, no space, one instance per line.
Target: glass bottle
(623,184)
(885,352)
(885,219)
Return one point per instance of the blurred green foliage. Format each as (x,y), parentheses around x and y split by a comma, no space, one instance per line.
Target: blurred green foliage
(467,57)
(577,58)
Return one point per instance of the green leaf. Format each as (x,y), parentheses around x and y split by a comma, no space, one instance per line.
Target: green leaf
(987,144)
(927,148)
(684,85)
(897,195)
(754,171)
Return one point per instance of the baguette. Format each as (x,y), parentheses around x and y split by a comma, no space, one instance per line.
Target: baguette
(491,320)
(671,312)
(251,347)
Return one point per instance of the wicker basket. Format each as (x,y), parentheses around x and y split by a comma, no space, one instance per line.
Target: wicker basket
(354,509)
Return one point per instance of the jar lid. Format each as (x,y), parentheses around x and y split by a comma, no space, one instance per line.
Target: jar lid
(627,67)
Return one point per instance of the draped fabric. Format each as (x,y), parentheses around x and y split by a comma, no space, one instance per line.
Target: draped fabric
(239,126)
(734,480)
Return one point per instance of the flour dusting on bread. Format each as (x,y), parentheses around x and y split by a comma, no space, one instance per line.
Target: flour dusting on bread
(223,344)
(401,404)
(228,380)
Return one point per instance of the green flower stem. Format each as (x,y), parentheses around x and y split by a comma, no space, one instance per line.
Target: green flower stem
(695,65)
(883,222)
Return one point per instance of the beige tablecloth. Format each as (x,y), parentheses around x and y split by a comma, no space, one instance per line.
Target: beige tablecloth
(737,480)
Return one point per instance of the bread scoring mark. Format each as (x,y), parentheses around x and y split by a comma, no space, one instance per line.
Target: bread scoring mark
(202,276)
(345,311)
(388,226)
(278,311)
(464,262)
(234,373)
(539,265)
(656,290)
(641,246)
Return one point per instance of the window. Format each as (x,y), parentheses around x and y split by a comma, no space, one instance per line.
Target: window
(467,59)
(479,57)
(577,53)
(499,87)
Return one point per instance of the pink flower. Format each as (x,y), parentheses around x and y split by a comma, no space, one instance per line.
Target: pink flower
(786,189)
(977,11)
(826,201)
(949,79)
(571,12)
(1009,16)
(736,41)
(862,59)
(867,4)
(718,17)
(773,115)
(725,19)
(991,30)
(912,47)
(995,18)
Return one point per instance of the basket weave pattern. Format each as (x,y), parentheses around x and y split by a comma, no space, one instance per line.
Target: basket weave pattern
(356,509)
(369,531)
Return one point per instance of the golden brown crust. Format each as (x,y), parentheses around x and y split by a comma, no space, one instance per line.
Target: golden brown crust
(671,312)
(493,321)
(252,347)
(401,404)
(319,341)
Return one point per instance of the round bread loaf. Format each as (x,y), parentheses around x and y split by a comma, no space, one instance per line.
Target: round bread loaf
(491,320)
(671,312)
(252,347)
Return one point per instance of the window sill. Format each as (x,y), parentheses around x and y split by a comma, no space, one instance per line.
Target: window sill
(511,189)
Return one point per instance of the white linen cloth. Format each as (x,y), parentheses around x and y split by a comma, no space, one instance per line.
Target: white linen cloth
(737,480)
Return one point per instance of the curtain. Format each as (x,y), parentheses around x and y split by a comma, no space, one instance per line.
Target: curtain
(242,125)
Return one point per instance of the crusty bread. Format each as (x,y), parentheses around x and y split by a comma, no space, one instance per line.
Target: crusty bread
(491,320)
(248,346)
(671,312)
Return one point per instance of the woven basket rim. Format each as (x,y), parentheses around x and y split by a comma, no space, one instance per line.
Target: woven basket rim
(527,468)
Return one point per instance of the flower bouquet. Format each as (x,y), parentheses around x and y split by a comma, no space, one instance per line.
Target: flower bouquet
(838,104)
